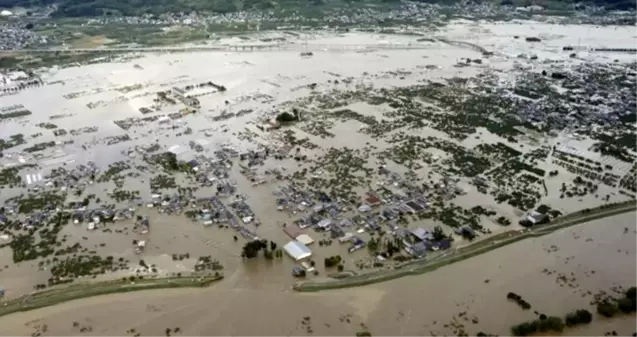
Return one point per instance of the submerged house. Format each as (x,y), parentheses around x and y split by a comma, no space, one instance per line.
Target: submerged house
(324,224)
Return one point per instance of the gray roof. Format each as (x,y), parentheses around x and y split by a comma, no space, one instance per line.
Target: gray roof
(420,233)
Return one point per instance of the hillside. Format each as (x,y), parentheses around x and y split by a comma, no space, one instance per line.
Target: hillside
(79,8)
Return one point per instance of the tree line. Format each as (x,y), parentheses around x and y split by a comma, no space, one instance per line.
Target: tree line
(554,324)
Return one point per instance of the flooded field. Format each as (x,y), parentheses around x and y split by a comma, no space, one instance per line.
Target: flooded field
(556,274)
(157,165)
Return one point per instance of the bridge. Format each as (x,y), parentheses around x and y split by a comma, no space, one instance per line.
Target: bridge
(232,48)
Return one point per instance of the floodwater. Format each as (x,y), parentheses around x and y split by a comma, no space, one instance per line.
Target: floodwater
(243,302)
(592,257)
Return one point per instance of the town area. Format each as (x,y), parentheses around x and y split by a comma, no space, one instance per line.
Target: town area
(356,153)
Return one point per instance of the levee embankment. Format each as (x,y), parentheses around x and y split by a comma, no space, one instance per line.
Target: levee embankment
(76,291)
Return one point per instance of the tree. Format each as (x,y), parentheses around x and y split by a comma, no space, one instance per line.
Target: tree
(439,234)
(549,324)
(584,316)
(581,316)
(631,293)
(171,161)
(607,309)
(268,254)
(626,305)
(372,245)
(523,329)
(251,249)
(332,261)
(552,323)
(286,117)
(504,221)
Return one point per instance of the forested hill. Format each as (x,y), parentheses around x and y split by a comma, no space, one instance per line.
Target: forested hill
(75,8)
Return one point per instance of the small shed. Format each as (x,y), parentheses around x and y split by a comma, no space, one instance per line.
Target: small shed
(305,239)
(297,250)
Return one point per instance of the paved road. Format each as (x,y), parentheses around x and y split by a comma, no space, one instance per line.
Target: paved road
(235,48)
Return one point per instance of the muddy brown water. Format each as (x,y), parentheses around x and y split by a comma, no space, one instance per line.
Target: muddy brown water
(595,256)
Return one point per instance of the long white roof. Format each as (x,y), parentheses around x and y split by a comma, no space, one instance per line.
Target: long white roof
(297,250)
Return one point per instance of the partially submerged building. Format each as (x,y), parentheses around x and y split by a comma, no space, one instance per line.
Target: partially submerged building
(297,250)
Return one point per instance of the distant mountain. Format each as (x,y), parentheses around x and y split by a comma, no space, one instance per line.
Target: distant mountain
(80,8)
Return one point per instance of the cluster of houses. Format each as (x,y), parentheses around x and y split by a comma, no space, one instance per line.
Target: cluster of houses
(213,171)
(244,212)
(380,210)
(92,217)
(71,179)
(95,217)
(419,241)
(167,204)
(213,211)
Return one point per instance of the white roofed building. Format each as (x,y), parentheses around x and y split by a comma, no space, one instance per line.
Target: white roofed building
(297,250)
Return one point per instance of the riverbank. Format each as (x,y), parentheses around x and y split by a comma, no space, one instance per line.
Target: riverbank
(76,291)
(483,246)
